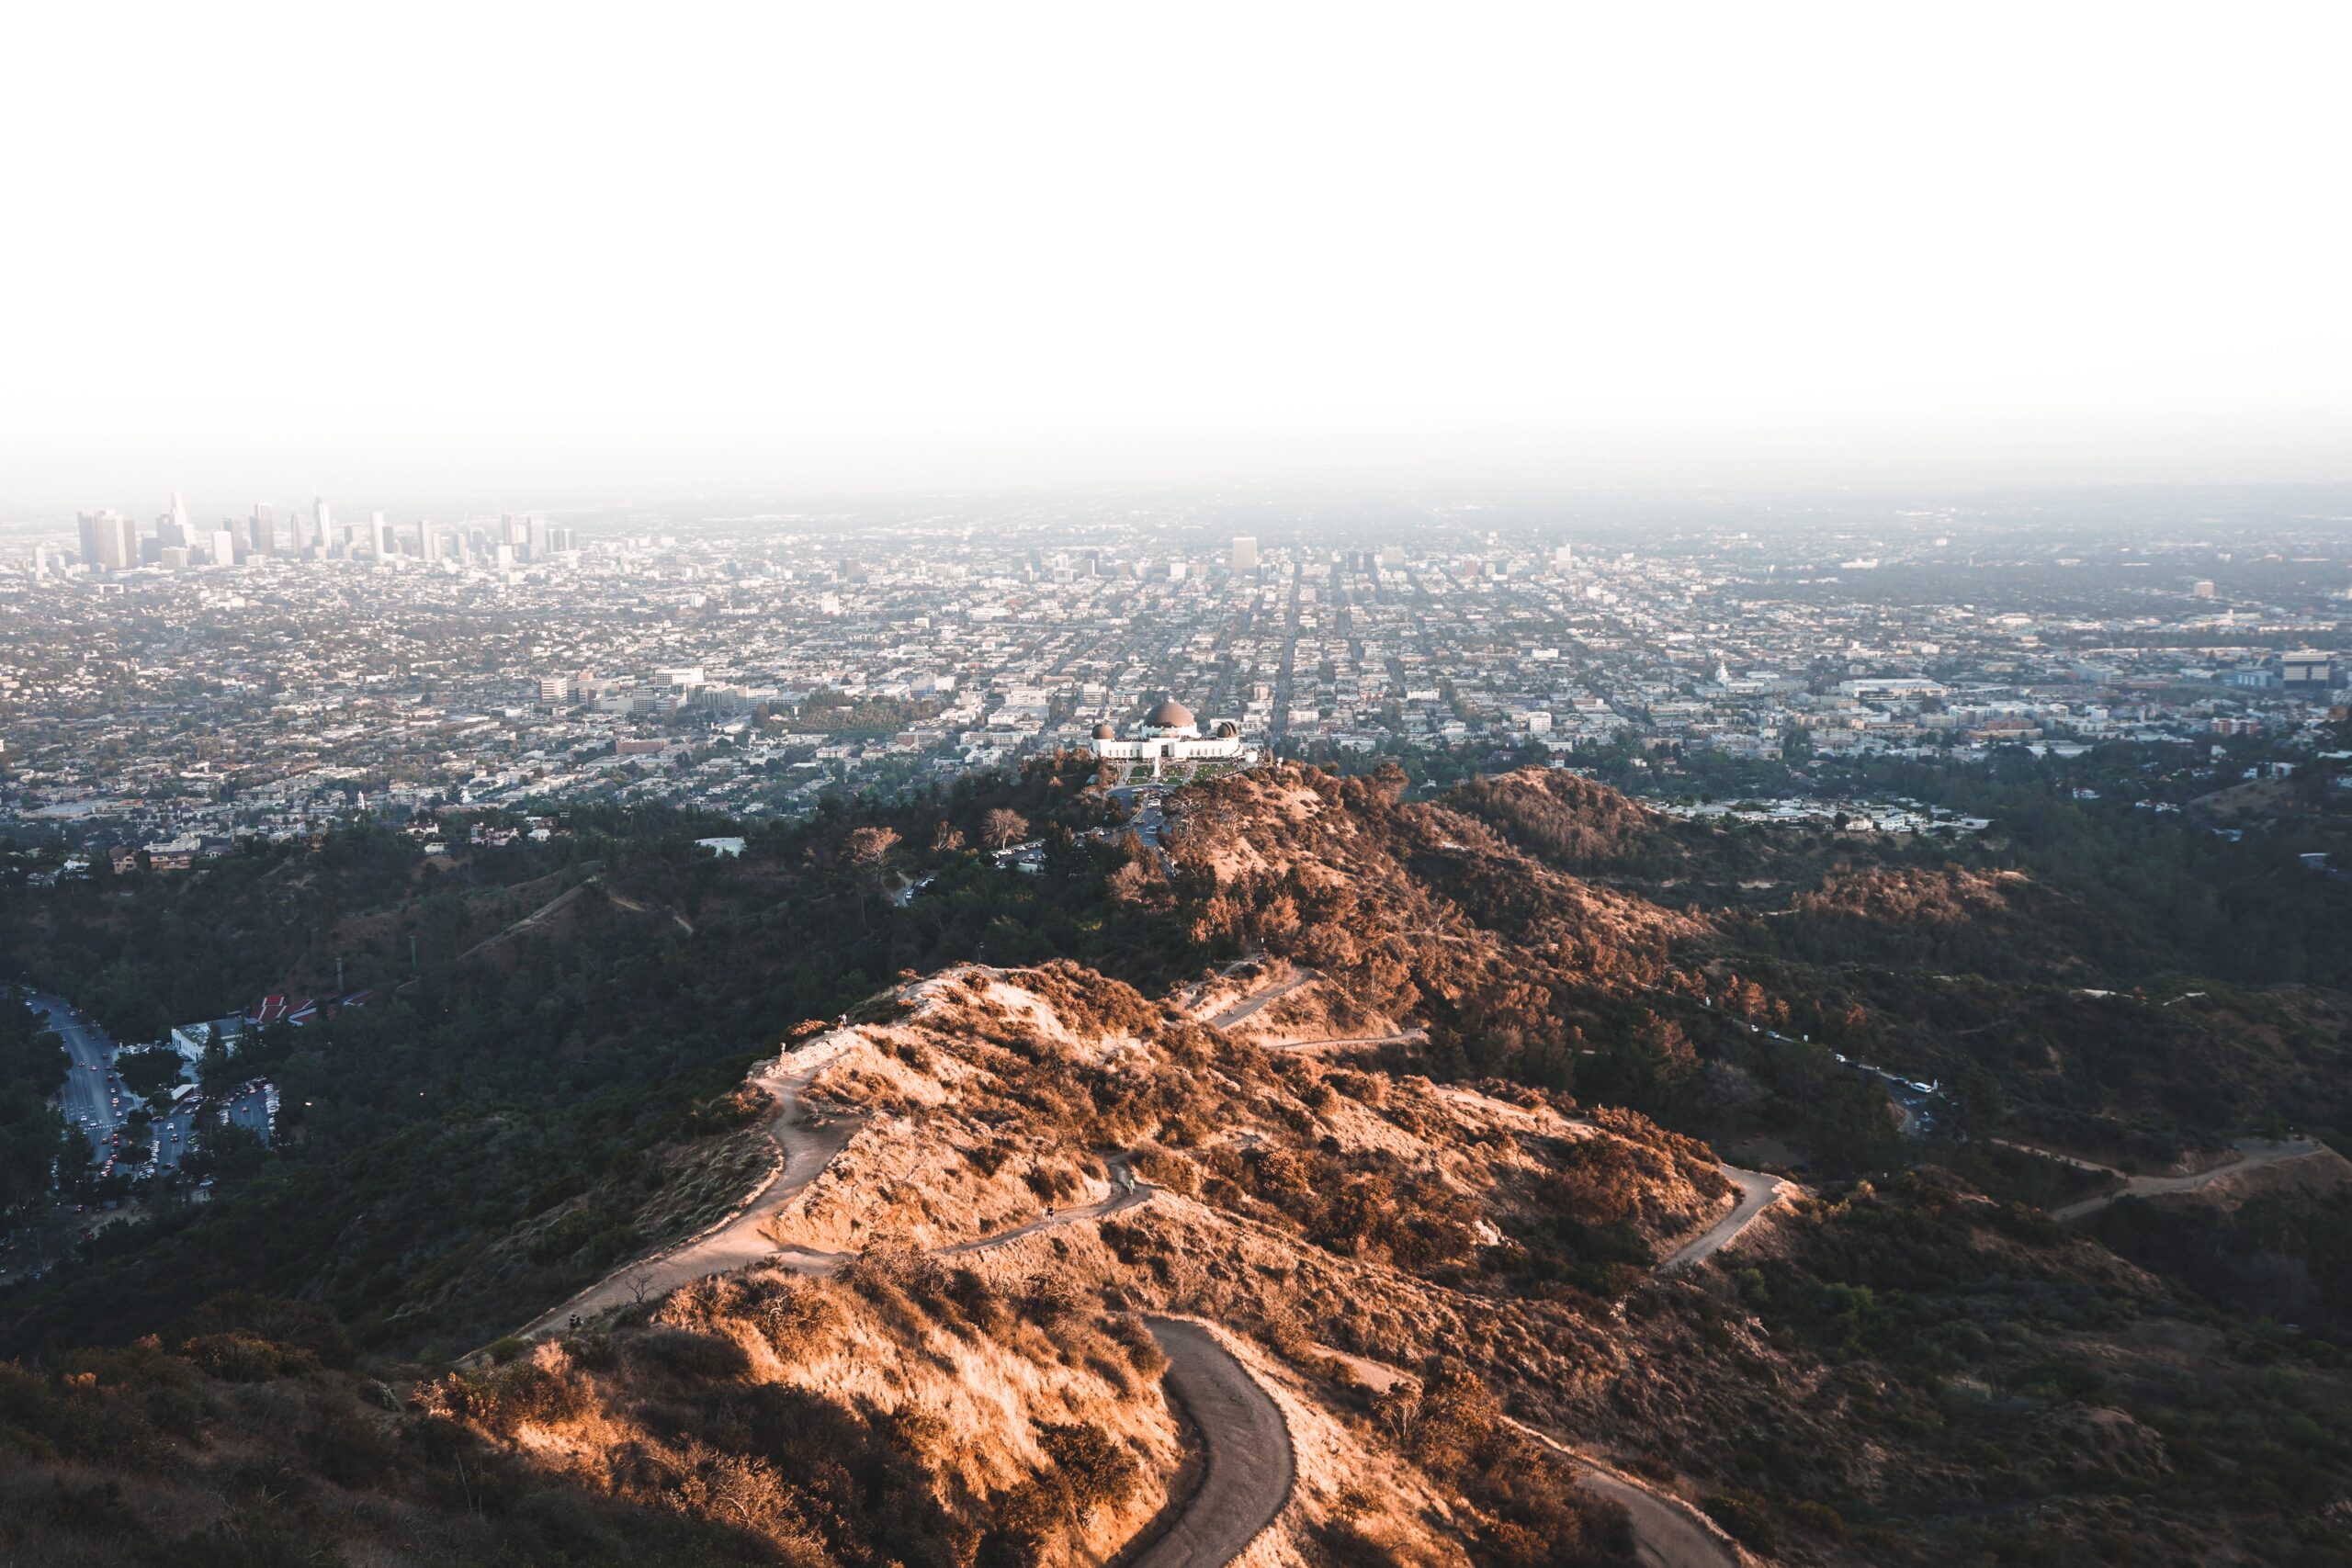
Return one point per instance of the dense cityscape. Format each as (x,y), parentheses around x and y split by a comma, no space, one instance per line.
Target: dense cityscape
(933,787)
(167,698)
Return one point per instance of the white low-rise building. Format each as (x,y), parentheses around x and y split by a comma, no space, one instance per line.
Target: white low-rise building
(1170,734)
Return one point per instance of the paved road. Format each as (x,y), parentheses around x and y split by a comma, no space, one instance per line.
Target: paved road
(1414,1036)
(739,1239)
(1668,1532)
(91,1102)
(2076,1160)
(1126,1191)
(88,1099)
(1247,1007)
(250,1110)
(1757,1192)
(2253,1154)
(1250,1462)
(1251,1466)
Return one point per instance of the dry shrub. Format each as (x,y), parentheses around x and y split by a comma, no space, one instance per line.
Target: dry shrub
(241,1357)
(1133,1337)
(1087,1470)
(746,1492)
(539,1392)
(1693,1158)
(1166,1168)
(684,1354)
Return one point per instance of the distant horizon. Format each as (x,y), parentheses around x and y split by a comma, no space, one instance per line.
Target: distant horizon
(789,250)
(681,500)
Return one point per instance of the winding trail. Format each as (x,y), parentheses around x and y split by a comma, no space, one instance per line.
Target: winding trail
(1248,1005)
(802,1154)
(2252,1154)
(1757,1192)
(1250,1463)
(1251,1466)
(1668,1532)
(1414,1036)
(1126,1191)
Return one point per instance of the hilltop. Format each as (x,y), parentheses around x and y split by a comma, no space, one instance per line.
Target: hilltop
(1372,1140)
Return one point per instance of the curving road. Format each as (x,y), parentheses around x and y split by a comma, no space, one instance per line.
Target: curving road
(1403,1037)
(737,1240)
(1668,1532)
(1248,1005)
(1126,1191)
(1757,1192)
(1251,1466)
(1250,1462)
(2252,1154)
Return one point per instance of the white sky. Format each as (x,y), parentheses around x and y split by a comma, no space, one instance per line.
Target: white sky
(275,250)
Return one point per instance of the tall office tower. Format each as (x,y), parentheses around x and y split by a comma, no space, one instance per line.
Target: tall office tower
(537,538)
(1245,553)
(297,524)
(179,513)
(109,541)
(220,543)
(512,529)
(41,560)
(380,542)
(1564,558)
(2203,590)
(428,542)
(324,520)
(264,529)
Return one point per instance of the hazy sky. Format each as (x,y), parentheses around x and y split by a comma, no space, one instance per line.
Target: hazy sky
(260,252)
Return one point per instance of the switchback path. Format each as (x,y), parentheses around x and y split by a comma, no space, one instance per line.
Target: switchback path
(1668,1532)
(2254,1154)
(1248,1005)
(1126,1192)
(802,1154)
(1403,1037)
(1757,1192)
(2076,1160)
(1251,1465)
(1250,1462)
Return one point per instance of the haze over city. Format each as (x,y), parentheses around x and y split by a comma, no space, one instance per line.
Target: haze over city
(527,255)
